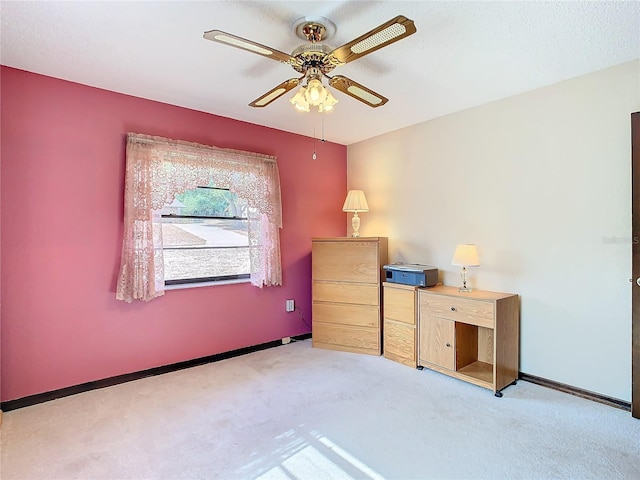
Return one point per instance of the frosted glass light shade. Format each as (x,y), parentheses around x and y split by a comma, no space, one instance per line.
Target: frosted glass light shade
(328,103)
(299,101)
(355,202)
(316,93)
(466,255)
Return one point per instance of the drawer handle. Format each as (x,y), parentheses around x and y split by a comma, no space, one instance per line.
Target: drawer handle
(448,344)
(453,309)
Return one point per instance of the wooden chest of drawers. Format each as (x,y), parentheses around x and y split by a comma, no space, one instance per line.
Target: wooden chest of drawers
(399,330)
(346,293)
(471,336)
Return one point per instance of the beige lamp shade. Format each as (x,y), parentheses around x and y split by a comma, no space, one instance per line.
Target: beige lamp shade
(466,255)
(355,202)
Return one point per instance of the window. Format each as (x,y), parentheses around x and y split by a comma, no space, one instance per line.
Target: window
(205,237)
(242,194)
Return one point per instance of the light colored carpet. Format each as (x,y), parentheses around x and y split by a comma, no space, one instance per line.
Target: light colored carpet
(295,412)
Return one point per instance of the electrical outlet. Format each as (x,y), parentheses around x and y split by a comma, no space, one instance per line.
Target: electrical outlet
(289,306)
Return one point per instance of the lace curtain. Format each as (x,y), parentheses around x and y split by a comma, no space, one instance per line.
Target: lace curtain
(156,170)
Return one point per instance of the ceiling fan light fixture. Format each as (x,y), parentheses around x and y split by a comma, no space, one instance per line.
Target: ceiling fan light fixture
(313,95)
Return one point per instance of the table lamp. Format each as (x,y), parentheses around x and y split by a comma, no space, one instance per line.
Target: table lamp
(466,255)
(355,202)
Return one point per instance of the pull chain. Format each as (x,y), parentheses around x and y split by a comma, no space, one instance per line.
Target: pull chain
(315,140)
(314,156)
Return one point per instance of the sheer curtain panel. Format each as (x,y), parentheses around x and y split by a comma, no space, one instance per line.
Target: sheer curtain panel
(159,168)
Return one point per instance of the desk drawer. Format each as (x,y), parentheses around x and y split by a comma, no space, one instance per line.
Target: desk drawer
(399,305)
(473,312)
(400,340)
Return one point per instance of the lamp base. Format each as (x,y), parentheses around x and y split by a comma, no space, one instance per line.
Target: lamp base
(355,224)
(465,288)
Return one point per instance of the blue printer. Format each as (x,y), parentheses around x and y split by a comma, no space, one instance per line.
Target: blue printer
(416,275)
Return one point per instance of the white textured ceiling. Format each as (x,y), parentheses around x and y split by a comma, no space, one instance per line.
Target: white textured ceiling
(464,53)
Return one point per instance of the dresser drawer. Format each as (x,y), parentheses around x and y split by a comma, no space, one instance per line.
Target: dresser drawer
(346,336)
(356,262)
(357,293)
(473,312)
(345,314)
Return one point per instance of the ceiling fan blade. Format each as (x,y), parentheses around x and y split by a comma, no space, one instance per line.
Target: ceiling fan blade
(357,91)
(275,93)
(386,34)
(248,45)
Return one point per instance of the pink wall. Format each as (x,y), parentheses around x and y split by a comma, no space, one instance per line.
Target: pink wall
(63,155)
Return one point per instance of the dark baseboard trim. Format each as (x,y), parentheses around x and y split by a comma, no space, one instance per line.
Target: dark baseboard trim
(578,392)
(129,377)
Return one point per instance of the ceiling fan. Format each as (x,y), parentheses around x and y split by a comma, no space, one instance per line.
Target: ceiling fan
(315,60)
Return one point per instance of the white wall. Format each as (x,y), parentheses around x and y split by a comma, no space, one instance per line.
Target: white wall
(541,183)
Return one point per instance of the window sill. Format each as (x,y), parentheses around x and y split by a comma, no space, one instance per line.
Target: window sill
(181,286)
